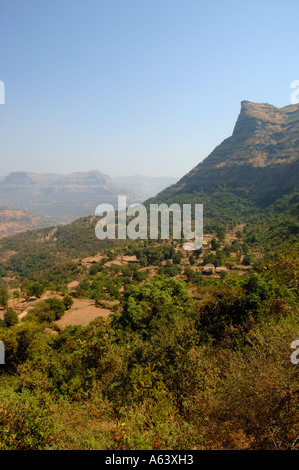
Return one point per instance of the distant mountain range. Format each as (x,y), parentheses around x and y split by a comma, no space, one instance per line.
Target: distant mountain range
(67,197)
(251,169)
(259,162)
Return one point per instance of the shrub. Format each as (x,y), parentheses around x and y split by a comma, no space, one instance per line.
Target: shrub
(57,306)
(24,423)
(153,304)
(35,289)
(10,317)
(22,342)
(4,296)
(68,301)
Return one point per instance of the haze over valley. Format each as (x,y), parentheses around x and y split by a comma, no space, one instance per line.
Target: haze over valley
(50,198)
(154,329)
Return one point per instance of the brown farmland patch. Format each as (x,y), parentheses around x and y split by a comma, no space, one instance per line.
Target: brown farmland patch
(82,312)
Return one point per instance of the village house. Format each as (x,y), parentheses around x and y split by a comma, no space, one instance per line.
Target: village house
(208,269)
(221,269)
(129,259)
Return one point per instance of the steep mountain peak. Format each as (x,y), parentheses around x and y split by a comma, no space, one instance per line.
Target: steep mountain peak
(261,119)
(260,158)
(259,110)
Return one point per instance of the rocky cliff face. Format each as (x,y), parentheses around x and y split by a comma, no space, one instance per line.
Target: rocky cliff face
(260,159)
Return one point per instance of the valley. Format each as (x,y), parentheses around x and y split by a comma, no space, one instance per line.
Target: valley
(58,199)
(149,231)
(139,344)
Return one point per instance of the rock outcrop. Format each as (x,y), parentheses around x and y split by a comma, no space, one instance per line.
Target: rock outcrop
(260,159)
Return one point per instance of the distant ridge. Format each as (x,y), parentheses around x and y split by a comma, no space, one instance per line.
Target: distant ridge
(67,197)
(59,196)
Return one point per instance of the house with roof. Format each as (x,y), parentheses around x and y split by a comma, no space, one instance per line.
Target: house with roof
(208,269)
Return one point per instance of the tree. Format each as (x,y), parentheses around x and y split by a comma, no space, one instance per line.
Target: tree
(36,289)
(221,233)
(4,296)
(247,260)
(56,306)
(68,301)
(192,259)
(93,270)
(156,303)
(16,294)
(215,245)
(177,257)
(10,317)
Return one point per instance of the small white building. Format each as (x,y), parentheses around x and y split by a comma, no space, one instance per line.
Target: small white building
(221,269)
(208,269)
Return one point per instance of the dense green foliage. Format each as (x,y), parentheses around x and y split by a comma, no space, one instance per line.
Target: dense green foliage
(186,359)
(168,370)
(46,255)
(4,295)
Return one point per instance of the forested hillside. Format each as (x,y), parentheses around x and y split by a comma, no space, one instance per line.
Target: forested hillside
(185,359)
(139,344)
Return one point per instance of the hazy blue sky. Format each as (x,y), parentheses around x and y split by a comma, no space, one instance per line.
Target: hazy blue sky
(136,86)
